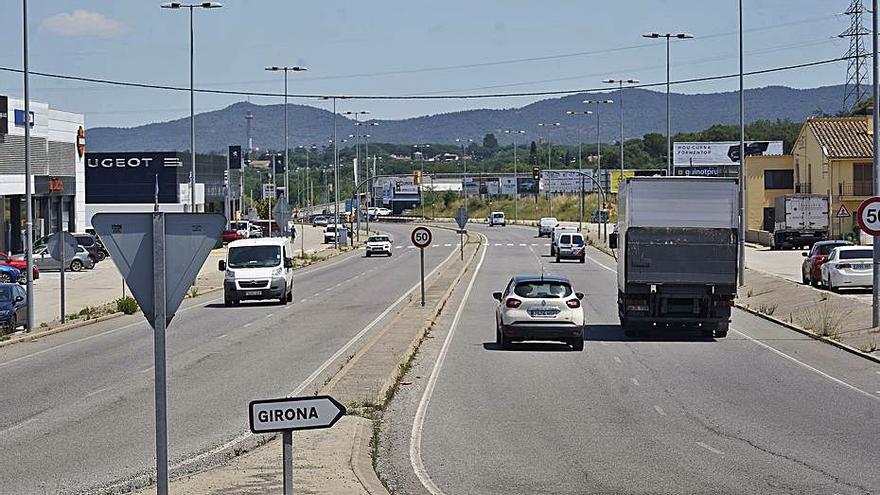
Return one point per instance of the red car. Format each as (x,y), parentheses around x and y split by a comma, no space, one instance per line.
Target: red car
(18,263)
(230,235)
(811,272)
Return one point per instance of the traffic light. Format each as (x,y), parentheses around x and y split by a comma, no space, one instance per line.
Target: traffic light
(417,177)
(536,173)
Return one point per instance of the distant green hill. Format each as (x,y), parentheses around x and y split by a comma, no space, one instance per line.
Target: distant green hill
(644,113)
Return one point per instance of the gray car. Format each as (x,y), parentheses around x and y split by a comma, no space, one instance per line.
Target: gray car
(45,262)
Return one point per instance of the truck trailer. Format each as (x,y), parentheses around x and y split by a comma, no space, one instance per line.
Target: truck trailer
(676,244)
(800,220)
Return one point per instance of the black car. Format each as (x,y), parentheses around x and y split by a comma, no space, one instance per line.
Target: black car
(13,306)
(102,251)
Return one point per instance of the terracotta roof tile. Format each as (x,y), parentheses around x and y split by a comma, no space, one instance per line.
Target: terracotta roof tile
(843,137)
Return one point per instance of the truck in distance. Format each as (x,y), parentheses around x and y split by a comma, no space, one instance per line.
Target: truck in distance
(800,220)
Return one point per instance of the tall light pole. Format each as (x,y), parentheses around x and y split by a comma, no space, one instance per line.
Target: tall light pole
(192,98)
(28,197)
(598,104)
(620,83)
(580,169)
(462,141)
(286,69)
(742,157)
(513,133)
(420,147)
(549,194)
(875,306)
(335,171)
(668,36)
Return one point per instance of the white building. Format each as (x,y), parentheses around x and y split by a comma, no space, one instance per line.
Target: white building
(57,157)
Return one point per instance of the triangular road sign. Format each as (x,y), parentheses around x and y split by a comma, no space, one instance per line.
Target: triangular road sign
(842,212)
(461,217)
(282,214)
(189,238)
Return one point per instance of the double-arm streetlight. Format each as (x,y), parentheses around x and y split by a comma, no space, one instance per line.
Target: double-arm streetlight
(192,111)
(599,104)
(548,126)
(286,69)
(513,133)
(620,83)
(668,36)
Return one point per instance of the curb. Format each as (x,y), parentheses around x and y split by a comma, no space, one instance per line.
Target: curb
(62,328)
(810,334)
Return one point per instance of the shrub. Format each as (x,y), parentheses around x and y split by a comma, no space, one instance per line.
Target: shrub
(127,305)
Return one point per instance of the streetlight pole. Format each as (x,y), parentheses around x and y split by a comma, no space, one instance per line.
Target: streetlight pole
(464,165)
(875,305)
(422,173)
(742,157)
(286,69)
(668,36)
(549,165)
(602,213)
(620,83)
(581,215)
(192,98)
(513,133)
(28,197)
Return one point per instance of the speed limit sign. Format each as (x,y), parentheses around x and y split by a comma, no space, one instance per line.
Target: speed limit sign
(868,216)
(421,237)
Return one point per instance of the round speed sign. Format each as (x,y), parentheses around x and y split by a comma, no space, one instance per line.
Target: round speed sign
(868,216)
(421,237)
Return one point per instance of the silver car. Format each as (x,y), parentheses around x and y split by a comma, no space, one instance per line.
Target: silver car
(46,263)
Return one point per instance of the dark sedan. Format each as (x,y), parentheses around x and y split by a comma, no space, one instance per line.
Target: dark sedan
(13,306)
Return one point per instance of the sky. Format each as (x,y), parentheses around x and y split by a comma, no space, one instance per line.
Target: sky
(395,47)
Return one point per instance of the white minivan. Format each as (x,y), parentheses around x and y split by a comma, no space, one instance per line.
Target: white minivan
(256,269)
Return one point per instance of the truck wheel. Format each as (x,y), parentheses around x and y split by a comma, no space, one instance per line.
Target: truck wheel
(814,282)
(577,344)
(627,327)
(721,332)
(227,302)
(805,280)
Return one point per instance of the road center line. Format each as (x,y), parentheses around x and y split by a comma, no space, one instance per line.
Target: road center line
(710,449)
(221,336)
(617,360)
(807,366)
(635,382)
(247,324)
(96,392)
(415,439)
(660,410)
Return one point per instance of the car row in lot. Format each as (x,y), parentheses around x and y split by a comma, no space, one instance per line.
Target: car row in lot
(838,264)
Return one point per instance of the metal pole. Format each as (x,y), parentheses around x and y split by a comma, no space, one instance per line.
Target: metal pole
(875,301)
(159,322)
(461,243)
(742,160)
(549,192)
(668,117)
(287,454)
(515,187)
(599,166)
(422,264)
(286,146)
(335,176)
(620,97)
(192,117)
(63,258)
(227,200)
(29,213)
(274,195)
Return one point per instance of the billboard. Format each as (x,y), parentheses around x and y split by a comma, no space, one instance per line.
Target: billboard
(527,185)
(481,185)
(616,178)
(720,152)
(508,186)
(132,177)
(706,171)
(566,182)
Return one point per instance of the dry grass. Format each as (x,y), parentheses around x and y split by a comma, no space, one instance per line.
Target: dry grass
(823,320)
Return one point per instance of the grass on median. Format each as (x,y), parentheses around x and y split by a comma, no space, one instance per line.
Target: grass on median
(823,320)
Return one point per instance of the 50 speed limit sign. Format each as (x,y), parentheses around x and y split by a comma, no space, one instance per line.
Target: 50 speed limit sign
(868,216)
(421,237)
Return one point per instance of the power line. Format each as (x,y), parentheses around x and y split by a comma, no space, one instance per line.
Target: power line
(131,84)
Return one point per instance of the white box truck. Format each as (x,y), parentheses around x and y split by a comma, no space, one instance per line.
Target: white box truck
(676,253)
(800,220)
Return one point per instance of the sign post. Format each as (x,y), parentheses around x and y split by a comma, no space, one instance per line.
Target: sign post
(421,238)
(282,214)
(461,218)
(144,247)
(289,414)
(62,247)
(842,213)
(868,216)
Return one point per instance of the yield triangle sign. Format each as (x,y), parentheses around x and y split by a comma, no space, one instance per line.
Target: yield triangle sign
(281,213)
(188,239)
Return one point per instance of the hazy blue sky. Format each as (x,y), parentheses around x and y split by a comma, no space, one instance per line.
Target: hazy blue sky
(345,44)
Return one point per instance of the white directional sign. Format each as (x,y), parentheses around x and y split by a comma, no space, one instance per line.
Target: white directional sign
(461,217)
(296,413)
(869,216)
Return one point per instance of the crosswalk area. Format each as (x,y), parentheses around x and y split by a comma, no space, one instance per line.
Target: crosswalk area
(487,244)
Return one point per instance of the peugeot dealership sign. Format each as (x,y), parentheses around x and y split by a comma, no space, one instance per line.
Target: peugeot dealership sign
(132,177)
(720,152)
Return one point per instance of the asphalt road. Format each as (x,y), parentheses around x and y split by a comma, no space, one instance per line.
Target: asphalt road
(765,410)
(76,409)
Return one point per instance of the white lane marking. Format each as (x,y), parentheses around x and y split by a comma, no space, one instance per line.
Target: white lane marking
(710,449)
(447,245)
(221,336)
(398,247)
(534,244)
(247,324)
(19,425)
(436,245)
(635,381)
(90,337)
(600,264)
(497,244)
(617,360)
(510,244)
(145,370)
(410,247)
(603,342)
(807,366)
(415,439)
(522,245)
(96,392)
(270,315)
(660,410)
(321,369)
(547,244)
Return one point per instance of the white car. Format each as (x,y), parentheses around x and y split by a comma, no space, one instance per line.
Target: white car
(378,244)
(571,246)
(848,266)
(554,237)
(378,211)
(546,225)
(330,233)
(256,269)
(496,218)
(539,307)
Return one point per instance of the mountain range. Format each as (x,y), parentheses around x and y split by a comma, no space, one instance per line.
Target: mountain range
(644,112)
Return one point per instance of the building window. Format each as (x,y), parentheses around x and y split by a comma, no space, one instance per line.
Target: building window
(778,179)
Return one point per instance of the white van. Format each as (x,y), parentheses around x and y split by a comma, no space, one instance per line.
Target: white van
(497,218)
(257,269)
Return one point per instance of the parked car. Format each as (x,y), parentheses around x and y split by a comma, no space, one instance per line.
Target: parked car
(497,218)
(539,307)
(46,263)
(320,221)
(571,245)
(330,233)
(848,266)
(378,244)
(13,307)
(18,263)
(9,275)
(546,225)
(230,235)
(811,268)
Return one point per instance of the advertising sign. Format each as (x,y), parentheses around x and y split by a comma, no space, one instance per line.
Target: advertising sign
(616,178)
(482,185)
(132,177)
(698,171)
(566,182)
(720,152)
(527,185)
(507,186)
